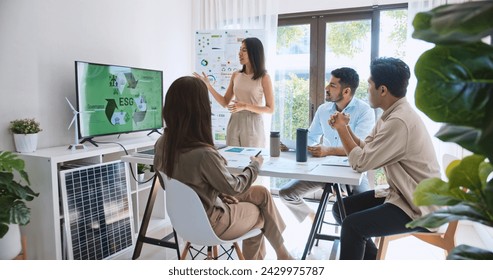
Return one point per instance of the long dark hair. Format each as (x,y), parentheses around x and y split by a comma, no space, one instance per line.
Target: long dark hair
(187,114)
(255,51)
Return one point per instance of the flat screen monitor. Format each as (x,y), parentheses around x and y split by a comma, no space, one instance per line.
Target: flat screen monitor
(114,99)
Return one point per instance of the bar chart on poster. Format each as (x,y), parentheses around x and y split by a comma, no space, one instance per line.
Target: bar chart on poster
(217,57)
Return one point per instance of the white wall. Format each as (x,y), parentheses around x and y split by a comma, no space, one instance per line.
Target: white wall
(40,40)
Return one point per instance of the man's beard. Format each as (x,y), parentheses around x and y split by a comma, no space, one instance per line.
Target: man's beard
(339,97)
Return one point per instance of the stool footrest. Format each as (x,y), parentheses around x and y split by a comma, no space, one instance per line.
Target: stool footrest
(164,242)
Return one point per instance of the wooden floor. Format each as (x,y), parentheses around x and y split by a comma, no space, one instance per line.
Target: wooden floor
(295,236)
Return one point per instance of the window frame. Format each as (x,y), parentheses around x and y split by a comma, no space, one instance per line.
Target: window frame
(318,21)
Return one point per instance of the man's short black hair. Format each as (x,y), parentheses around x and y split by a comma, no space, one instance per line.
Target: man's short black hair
(348,78)
(392,73)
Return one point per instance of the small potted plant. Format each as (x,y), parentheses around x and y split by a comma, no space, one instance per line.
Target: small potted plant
(14,193)
(141,169)
(25,133)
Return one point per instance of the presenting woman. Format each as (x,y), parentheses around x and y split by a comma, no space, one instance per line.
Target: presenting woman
(248,87)
(186,152)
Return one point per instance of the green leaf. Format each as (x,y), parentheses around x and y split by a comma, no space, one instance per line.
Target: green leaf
(451,213)
(466,137)
(451,166)
(10,161)
(488,198)
(433,191)
(455,84)
(14,194)
(466,174)
(485,170)
(452,24)
(20,214)
(487,133)
(466,252)
(3,229)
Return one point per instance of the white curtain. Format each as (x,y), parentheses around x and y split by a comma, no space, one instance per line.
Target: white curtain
(241,14)
(415,48)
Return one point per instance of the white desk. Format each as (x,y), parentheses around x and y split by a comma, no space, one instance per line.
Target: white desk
(285,166)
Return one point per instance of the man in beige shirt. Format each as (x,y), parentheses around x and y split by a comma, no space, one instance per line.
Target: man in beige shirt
(401,145)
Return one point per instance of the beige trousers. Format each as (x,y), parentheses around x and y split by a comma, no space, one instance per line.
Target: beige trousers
(256,209)
(245,129)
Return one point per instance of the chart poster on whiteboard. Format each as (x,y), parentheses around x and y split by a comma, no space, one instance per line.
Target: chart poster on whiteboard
(217,57)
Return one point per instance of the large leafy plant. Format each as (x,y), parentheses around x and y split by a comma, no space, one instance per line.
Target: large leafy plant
(13,193)
(455,87)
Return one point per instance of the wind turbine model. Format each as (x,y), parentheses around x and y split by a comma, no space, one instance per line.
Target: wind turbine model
(76,145)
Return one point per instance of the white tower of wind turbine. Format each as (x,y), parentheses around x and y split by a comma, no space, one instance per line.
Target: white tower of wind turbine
(76,145)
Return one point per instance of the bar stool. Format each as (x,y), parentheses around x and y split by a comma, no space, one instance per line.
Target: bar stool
(316,229)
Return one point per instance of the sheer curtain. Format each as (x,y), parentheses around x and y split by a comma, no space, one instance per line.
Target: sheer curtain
(241,14)
(415,48)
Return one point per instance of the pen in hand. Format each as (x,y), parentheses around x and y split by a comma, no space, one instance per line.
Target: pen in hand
(256,158)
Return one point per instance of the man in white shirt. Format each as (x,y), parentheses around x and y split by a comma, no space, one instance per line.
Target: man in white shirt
(324,141)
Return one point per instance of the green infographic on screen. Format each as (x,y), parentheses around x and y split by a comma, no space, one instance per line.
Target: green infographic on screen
(117,99)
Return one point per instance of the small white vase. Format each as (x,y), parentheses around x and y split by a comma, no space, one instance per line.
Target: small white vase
(141,177)
(10,244)
(26,143)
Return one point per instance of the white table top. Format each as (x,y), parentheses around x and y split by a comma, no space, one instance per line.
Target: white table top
(284,166)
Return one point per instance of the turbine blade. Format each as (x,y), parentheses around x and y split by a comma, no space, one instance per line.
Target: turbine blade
(73,120)
(70,104)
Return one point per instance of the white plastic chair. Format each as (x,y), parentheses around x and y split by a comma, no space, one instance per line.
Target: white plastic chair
(190,221)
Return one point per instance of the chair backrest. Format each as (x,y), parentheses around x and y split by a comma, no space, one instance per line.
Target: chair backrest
(187,213)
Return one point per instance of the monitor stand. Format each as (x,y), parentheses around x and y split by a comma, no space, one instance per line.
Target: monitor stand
(154,130)
(89,140)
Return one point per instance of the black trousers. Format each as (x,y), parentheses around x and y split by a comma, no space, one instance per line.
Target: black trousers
(368,217)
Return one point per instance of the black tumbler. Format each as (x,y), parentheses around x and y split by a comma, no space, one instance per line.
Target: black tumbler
(301,141)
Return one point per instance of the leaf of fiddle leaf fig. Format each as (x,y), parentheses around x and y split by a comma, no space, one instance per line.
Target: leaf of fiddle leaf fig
(487,133)
(466,174)
(451,213)
(433,191)
(488,194)
(466,137)
(458,23)
(451,166)
(485,173)
(466,252)
(455,83)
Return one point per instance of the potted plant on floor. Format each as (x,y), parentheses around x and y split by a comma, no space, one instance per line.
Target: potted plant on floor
(13,197)
(455,87)
(25,133)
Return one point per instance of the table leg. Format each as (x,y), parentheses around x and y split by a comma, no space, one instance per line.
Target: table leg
(317,222)
(340,204)
(142,238)
(145,220)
